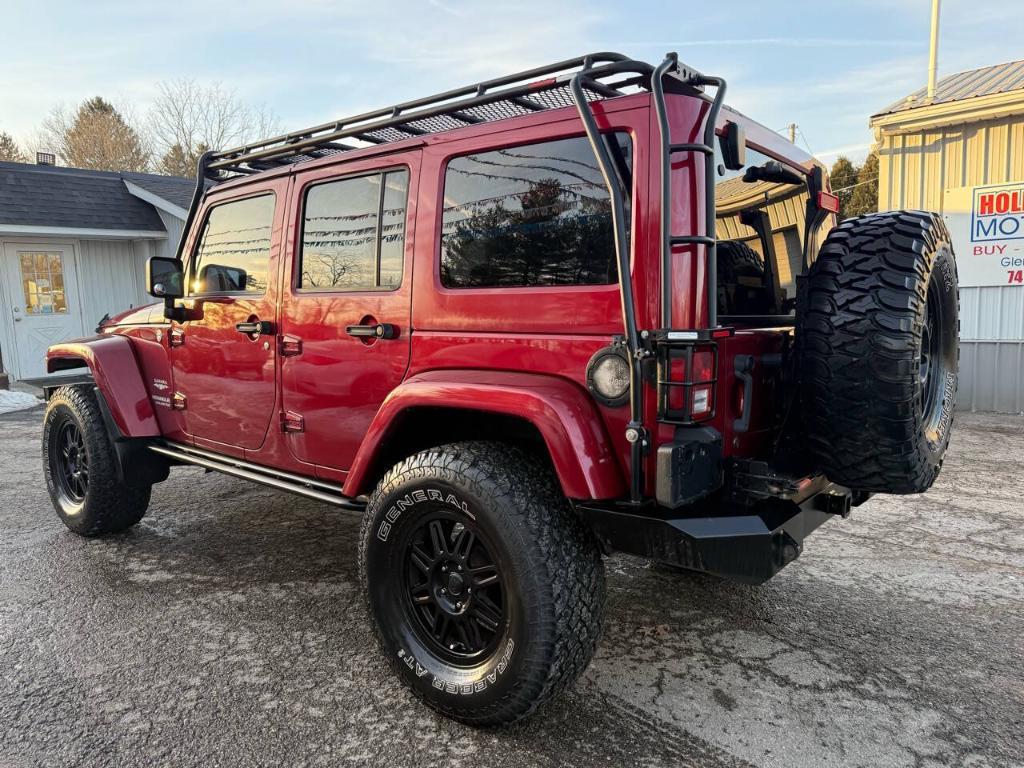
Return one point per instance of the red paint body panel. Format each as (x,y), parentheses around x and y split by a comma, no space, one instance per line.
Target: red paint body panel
(565,416)
(229,380)
(115,370)
(337,382)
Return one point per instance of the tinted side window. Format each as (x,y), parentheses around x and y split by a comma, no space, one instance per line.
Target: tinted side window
(234,250)
(353,233)
(530,216)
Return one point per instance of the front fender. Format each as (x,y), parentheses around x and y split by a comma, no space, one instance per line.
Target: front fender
(115,370)
(564,415)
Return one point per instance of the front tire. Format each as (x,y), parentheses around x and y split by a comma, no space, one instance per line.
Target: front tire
(80,466)
(486,591)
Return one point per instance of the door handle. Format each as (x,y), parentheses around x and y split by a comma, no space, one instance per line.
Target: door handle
(255,328)
(378,331)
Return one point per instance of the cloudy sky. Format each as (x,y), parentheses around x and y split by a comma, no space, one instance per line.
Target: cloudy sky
(825,65)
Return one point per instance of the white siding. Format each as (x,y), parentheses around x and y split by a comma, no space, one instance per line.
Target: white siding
(108,277)
(174,227)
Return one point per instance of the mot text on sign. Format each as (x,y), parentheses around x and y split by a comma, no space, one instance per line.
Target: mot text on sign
(987,226)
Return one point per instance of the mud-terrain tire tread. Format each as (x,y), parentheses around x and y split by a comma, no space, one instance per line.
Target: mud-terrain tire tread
(110,505)
(567,555)
(736,258)
(857,330)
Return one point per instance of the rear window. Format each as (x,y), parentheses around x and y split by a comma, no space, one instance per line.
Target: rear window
(536,215)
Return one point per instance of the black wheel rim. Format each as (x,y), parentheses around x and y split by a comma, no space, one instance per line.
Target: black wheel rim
(930,364)
(71,462)
(454,589)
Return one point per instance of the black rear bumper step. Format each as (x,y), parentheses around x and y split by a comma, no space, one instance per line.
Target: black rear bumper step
(285,481)
(749,548)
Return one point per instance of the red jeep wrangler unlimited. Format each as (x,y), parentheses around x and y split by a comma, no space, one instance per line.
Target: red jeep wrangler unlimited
(517,325)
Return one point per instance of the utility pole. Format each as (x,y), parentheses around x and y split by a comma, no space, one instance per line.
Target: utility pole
(933,53)
(792,127)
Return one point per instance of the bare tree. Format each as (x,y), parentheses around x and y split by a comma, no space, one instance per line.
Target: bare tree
(187,118)
(97,136)
(9,149)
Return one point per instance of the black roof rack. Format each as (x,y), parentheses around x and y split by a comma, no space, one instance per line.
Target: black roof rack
(606,75)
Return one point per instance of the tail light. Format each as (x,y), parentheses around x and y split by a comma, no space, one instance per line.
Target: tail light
(687,375)
(828,202)
(702,393)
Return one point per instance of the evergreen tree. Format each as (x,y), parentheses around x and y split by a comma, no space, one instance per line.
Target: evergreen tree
(865,194)
(843,178)
(178,161)
(9,149)
(97,136)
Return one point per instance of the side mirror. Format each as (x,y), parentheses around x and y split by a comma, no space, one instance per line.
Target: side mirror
(733,142)
(165,278)
(217,278)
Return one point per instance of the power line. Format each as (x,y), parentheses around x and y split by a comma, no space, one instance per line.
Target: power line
(803,138)
(851,186)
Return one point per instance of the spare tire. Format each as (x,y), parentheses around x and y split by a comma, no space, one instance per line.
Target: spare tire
(741,288)
(878,326)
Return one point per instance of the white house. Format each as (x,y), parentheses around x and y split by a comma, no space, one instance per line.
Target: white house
(73,247)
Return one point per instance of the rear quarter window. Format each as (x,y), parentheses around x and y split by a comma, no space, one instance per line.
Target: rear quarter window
(536,215)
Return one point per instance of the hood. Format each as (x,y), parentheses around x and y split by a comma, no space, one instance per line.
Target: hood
(152,313)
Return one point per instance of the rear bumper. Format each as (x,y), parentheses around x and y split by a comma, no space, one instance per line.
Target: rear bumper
(749,546)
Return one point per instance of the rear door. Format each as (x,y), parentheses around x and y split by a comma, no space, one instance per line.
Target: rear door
(224,371)
(345,320)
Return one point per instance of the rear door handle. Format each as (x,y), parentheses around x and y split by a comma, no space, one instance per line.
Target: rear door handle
(255,328)
(378,331)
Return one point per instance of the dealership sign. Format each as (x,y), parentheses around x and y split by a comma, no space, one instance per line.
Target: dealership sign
(987,226)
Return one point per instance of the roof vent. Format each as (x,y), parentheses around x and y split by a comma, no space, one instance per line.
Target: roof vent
(46,158)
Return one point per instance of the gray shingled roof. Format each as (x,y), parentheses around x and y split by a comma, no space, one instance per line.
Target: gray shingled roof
(173,189)
(49,196)
(986,81)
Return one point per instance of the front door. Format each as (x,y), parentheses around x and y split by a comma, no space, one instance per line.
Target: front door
(43,298)
(223,357)
(346,304)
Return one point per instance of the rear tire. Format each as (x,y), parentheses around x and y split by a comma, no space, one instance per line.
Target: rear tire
(878,329)
(486,591)
(80,466)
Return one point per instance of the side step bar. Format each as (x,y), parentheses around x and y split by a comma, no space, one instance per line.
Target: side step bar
(285,481)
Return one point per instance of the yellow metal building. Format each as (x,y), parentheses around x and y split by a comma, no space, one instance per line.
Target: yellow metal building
(955,153)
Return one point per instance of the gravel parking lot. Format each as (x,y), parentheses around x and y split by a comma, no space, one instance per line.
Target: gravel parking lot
(228,629)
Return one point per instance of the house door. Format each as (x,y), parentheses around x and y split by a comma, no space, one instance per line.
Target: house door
(44,306)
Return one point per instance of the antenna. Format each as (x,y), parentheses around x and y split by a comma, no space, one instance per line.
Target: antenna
(933,53)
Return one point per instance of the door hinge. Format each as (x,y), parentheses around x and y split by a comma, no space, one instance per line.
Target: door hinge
(289,346)
(292,422)
(179,402)
(176,337)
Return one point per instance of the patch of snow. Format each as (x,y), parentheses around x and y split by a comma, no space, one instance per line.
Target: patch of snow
(11,400)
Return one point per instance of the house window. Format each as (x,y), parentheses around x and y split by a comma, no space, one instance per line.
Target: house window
(531,216)
(353,233)
(42,282)
(234,251)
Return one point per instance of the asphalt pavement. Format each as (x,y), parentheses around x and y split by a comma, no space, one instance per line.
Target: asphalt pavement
(227,629)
